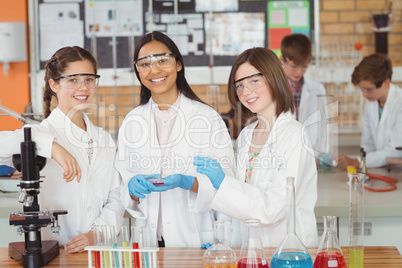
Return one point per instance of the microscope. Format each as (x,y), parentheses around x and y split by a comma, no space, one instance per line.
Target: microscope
(33,252)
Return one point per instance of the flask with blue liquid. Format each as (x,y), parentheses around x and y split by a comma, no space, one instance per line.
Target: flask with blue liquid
(291,253)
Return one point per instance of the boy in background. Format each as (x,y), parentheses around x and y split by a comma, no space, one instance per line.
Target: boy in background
(296,56)
(382,121)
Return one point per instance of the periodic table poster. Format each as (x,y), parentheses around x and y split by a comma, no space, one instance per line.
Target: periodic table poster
(287,17)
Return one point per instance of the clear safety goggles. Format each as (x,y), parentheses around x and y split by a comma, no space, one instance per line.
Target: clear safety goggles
(163,60)
(252,82)
(74,81)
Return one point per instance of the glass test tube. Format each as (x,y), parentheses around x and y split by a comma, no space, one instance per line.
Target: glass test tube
(124,242)
(107,243)
(98,242)
(356,219)
(116,254)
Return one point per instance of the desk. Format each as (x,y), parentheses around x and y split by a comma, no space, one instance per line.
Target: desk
(374,257)
(333,195)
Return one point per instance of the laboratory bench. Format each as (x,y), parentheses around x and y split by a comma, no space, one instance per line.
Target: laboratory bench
(374,257)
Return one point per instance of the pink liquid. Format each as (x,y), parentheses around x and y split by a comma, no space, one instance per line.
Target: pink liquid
(329,260)
(244,263)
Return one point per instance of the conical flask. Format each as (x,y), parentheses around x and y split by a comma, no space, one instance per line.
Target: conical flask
(291,252)
(252,252)
(219,255)
(329,254)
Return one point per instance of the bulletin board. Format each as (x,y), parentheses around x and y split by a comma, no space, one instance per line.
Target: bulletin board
(288,17)
(100,25)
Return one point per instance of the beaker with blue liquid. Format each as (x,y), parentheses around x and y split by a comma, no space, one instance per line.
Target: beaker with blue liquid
(291,252)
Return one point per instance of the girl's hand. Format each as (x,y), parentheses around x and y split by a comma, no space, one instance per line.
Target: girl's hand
(67,162)
(211,168)
(79,242)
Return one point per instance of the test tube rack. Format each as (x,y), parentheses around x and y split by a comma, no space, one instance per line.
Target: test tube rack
(147,257)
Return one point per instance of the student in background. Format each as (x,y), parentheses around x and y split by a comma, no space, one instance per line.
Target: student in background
(159,139)
(77,149)
(296,56)
(382,119)
(270,148)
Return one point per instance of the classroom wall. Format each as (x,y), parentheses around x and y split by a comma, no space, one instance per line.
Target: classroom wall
(348,21)
(14,88)
(341,21)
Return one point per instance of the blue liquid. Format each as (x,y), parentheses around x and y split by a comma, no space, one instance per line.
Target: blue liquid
(116,256)
(146,260)
(325,161)
(291,260)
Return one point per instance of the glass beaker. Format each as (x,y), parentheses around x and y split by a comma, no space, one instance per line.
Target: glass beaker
(252,252)
(329,253)
(356,219)
(327,139)
(219,255)
(291,252)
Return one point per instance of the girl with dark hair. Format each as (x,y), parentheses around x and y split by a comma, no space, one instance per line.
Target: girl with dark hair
(158,141)
(270,148)
(83,151)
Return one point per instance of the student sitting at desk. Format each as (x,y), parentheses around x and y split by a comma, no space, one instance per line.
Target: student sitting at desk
(382,121)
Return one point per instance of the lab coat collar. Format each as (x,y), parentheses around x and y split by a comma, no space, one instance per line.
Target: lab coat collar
(392,96)
(279,125)
(75,134)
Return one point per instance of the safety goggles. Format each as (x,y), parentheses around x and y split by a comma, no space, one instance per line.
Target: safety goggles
(163,60)
(252,82)
(74,81)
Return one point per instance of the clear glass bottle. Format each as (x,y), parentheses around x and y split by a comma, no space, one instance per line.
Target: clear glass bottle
(219,255)
(291,252)
(252,251)
(329,253)
(356,219)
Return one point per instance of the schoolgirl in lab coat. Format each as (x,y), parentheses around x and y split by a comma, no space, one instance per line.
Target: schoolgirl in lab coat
(75,148)
(159,139)
(272,147)
(382,119)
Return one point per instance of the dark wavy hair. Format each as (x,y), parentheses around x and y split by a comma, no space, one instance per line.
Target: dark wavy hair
(182,85)
(58,63)
(267,63)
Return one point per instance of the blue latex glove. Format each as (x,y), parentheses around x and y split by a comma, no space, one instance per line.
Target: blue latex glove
(177,180)
(138,185)
(211,168)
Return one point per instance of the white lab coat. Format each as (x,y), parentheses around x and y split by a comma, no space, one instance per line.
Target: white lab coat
(95,200)
(197,130)
(287,153)
(381,137)
(308,108)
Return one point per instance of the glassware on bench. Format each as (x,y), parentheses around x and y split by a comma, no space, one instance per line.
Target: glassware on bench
(252,251)
(329,253)
(219,255)
(291,252)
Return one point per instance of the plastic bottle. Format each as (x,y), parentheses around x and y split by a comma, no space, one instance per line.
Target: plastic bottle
(329,253)
(219,255)
(291,252)
(252,252)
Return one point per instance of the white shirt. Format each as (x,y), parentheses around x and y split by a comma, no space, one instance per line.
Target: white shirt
(287,153)
(381,137)
(198,130)
(95,200)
